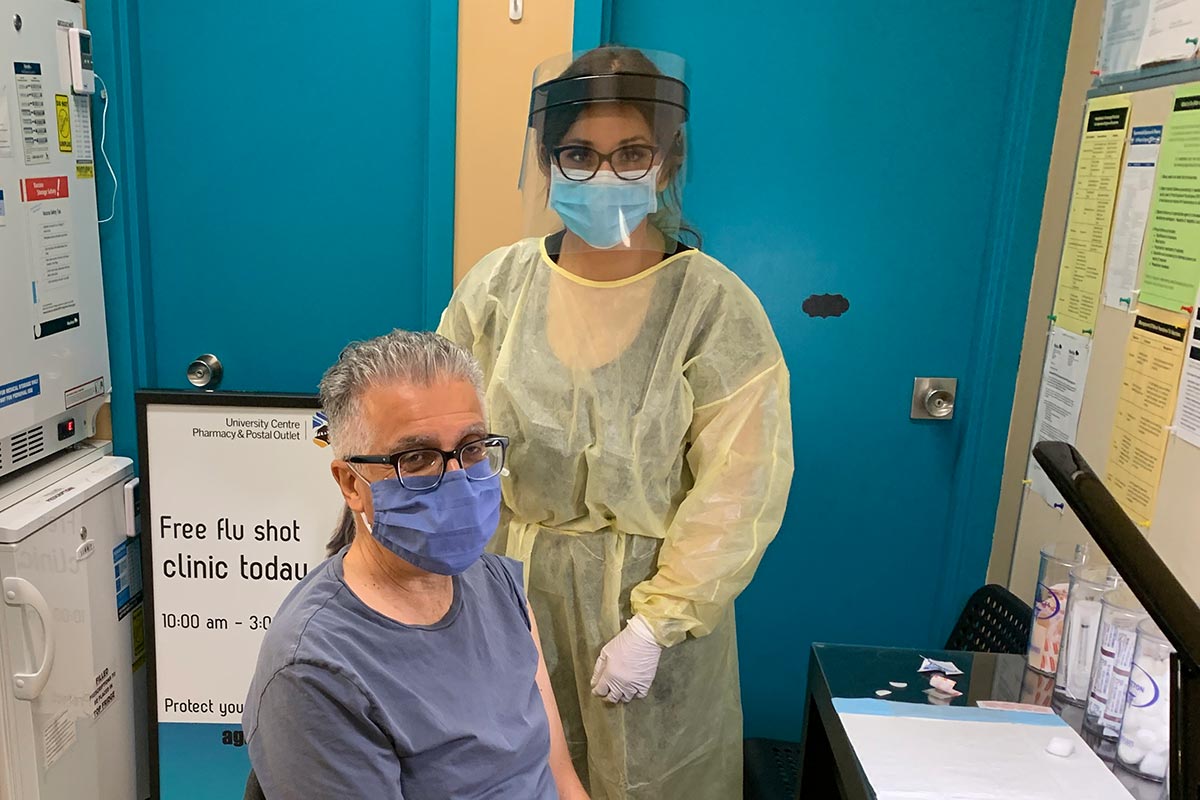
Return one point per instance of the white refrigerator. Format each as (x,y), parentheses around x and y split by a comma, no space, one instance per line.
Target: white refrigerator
(70,581)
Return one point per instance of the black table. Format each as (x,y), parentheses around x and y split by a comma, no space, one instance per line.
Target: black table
(829,768)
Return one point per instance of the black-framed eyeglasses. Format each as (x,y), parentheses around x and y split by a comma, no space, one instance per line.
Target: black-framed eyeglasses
(631,162)
(423,468)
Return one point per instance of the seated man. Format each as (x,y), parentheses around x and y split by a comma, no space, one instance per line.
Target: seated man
(407,665)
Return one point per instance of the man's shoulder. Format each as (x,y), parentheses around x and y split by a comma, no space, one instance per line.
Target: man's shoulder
(502,573)
(501,567)
(306,615)
(504,578)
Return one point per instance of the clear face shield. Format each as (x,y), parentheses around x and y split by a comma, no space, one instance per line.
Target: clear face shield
(605,151)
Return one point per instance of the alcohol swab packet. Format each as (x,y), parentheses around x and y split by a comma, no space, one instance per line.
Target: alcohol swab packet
(933,665)
(944,685)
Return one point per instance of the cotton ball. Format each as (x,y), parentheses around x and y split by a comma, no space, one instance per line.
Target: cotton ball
(1060,746)
(1155,765)
(1146,738)
(1130,754)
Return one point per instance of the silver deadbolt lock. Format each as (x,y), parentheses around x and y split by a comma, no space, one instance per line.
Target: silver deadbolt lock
(205,372)
(933,398)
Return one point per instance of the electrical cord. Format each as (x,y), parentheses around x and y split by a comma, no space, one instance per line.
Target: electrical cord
(103,134)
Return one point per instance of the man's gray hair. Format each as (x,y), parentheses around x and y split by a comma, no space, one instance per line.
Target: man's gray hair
(417,358)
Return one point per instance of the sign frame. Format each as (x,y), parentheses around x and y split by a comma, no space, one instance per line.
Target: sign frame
(144,399)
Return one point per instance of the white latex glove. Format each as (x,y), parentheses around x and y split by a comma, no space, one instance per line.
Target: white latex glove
(627,664)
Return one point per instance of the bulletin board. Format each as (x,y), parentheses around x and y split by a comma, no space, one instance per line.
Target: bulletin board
(1174,530)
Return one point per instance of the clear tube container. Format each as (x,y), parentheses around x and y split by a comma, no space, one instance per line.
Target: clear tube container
(1146,729)
(1050,605)
(1036,689)
(1081,630)
(1120,614)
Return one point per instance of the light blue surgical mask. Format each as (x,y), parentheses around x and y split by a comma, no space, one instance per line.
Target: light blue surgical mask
(442,530)
(604,210)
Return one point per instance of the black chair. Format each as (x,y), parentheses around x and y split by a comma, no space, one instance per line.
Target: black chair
(253,790)
(994,621)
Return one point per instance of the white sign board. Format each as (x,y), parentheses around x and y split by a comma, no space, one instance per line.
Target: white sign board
(241,505)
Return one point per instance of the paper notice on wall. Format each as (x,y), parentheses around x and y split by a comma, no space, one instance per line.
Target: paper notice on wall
(1085,249)
(31,99)
(1124,24)
(57,738)
(52,262)
(1172,31)
(1145,408)
(1187,416)
(1059,402)
(1171,268)
(1129,221)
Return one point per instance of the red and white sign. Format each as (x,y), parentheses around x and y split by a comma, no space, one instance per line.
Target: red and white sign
(44,188)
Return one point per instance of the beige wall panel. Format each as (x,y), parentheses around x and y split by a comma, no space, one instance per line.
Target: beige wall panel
(496,58)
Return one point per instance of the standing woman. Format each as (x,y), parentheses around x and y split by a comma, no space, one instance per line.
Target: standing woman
(646,399)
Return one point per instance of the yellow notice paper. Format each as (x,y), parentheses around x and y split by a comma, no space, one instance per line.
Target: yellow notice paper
(1149,387)
(1085,249)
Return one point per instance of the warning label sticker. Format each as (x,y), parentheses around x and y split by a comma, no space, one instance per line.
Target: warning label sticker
(62,113)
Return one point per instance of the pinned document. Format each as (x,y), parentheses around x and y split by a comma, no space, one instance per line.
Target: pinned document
(1085,249)
(1059,402)
(1145,408)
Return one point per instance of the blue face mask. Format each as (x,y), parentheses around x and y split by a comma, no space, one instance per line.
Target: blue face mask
(443,530)
(604,210)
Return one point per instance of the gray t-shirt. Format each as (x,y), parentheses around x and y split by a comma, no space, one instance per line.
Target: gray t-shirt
(347,703)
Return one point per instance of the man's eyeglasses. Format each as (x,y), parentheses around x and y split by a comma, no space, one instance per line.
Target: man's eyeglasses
(422,469)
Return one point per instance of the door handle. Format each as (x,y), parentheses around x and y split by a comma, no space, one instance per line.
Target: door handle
(933,398)
(20,592)
(205,372)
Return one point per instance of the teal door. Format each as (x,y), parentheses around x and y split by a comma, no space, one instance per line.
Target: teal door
(287,177)
(894,154)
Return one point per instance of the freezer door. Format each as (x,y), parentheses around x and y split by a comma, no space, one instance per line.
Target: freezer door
(74,735)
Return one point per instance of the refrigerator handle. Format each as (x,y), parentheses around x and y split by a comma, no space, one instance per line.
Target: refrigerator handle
(20,592)
(132,507)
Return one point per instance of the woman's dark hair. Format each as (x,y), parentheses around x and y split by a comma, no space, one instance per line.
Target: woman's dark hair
(665,122)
